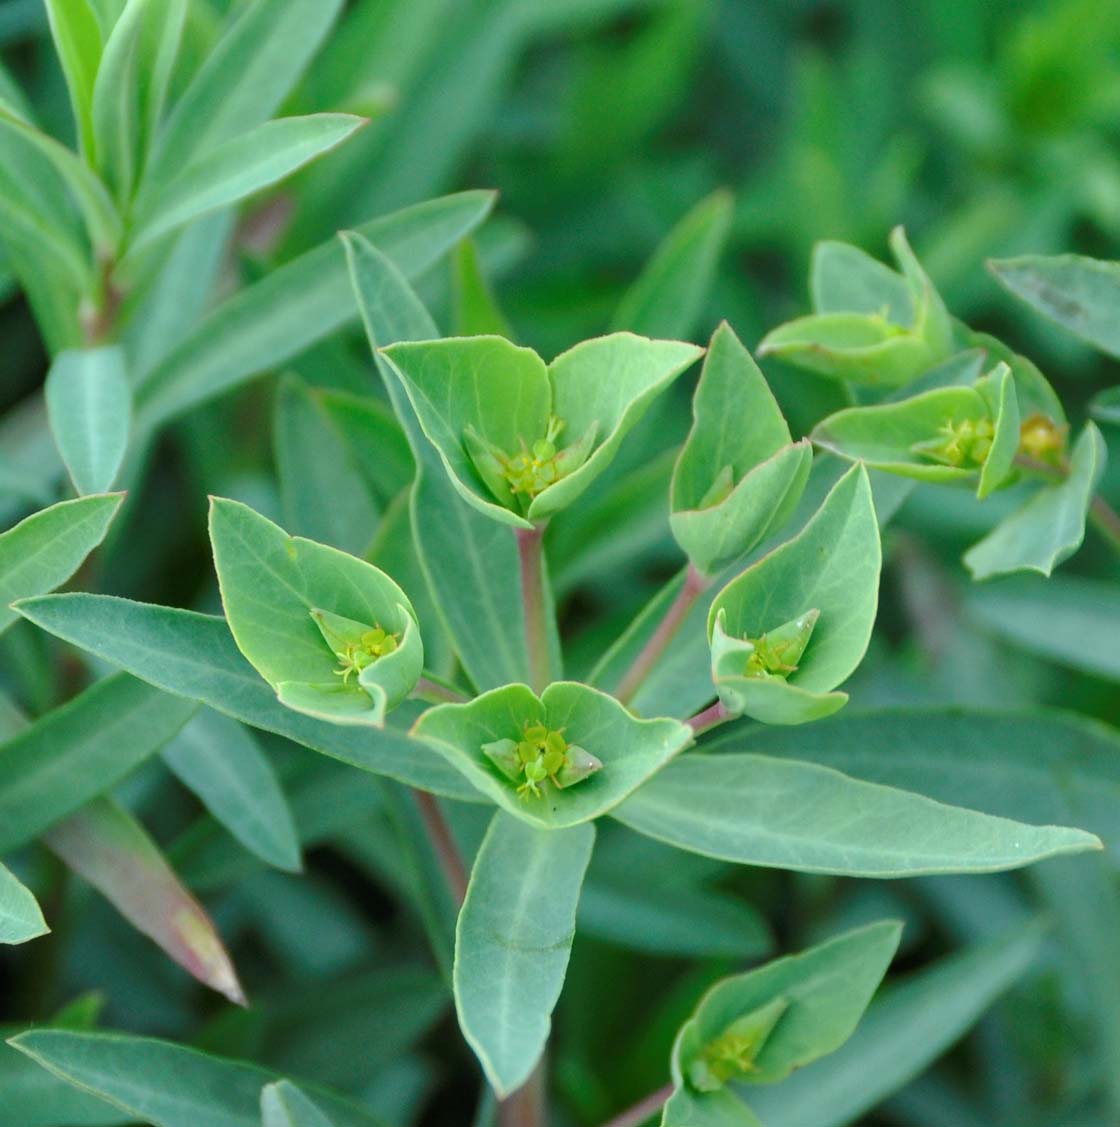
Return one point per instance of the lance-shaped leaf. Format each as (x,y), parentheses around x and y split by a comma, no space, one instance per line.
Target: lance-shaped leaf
(758,1027)
(522,440)
(845,279)
(795,624)
(169,1085)
(79,750)
(77,39)
(194,656)
(20,917)
(236,169)
(945,434)
(108,847)
(603,755)
(225,767)
(285,1105)
(885,346)
(334,636)
(43,551)
(738,477)
(1050,527)
(1105,406)
(512,942)
(787,814)
(670,292)
(89,406)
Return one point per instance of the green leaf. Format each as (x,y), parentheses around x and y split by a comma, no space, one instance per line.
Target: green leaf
(89,193)
(782,813)
(284,1105)
(108,847)
(225,767)
(709,1109)
(890,436)
(474,393)
(862,348)
(629,750)
(374,438)
(157,55)
(512,942)
(304,614)
(1042,767)
(471,562)
(906,1029)
(77,39)
(1080,294)
(89,407)
(193,655)
(20,917)
(669,295)
(165,1084)
(247,74)
(236,169)
(1105,406)
(476,311)
(1065,619)
(831,568)
(758,1027)
(43,551)
(116,125)
(295,305)
(314,462)
(80,750)
(737,478)
(845,279)
(1050,527)
(998,465)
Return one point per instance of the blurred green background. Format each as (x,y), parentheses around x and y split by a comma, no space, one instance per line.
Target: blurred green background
(988,127)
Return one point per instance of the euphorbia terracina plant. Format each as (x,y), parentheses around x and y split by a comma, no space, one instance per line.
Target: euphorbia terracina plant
(391,608)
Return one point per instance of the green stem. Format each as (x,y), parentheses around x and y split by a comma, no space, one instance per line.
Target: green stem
(1102,516)
(531,554)
(695,585)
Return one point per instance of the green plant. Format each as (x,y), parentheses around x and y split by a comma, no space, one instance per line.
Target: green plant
(515,649)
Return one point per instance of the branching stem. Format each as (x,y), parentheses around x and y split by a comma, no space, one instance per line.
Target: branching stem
(695,585)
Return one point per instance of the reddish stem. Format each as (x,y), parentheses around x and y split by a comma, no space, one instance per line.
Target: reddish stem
(447,852)
(711,717)
(531,555)
(695,585)
(643,1109)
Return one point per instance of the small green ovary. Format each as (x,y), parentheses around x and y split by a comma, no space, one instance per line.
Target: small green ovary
(541,755)
(356,645)
(776,653)
(964,444)
(522,476)
(734,1052)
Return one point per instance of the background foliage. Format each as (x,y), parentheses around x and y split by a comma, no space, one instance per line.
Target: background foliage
(989,130)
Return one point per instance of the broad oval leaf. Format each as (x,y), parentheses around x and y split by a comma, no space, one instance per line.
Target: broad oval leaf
(89,406)
(512,942)
(310,619)
(628,750)
(830,570)
(783,813)
(483,401)
(738,477)
(780,1016)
